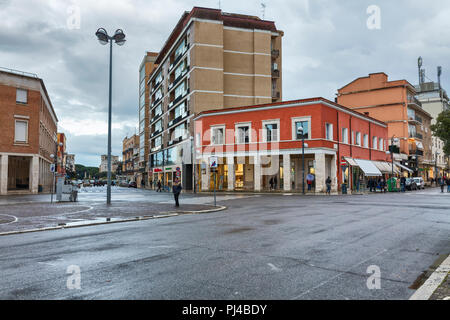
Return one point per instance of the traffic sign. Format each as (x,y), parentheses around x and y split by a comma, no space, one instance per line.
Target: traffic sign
(52,167)
(213,163)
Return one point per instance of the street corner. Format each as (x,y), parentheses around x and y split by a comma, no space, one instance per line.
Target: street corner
(434,283)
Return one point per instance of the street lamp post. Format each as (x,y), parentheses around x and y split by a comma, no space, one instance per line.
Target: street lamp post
(104,38)
(55,157)
(435,166)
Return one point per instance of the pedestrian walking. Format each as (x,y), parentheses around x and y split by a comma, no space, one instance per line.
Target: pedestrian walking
(382,185)
(402,184)
(448,184)
(159,186)
(176,189)
(442,183)
(328,183)
(309,180)
(271,183)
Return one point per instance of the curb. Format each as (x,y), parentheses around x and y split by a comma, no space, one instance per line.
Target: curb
(159,216)
(433,282)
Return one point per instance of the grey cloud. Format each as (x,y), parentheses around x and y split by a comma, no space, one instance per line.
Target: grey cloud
(326,45)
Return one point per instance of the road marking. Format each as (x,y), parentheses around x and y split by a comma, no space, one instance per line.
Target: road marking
(8,215)
(338,275)
(436,278)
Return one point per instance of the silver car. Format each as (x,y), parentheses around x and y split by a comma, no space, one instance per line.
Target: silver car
(419,182)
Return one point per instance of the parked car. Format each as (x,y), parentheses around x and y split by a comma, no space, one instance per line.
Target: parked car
(410,184)
(419,182)
(123,183)
(132,184)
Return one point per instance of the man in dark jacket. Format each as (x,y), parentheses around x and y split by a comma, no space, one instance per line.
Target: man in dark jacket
(448,184)
(176,189)
(441,183)
(159,186)
(403,183)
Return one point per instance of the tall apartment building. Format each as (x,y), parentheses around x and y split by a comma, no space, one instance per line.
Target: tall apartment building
(130,157)
(145,69)
(434,100)
(395,103)
(28,136)
(212,60)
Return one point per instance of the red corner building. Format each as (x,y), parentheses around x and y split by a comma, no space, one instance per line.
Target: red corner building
(260,147)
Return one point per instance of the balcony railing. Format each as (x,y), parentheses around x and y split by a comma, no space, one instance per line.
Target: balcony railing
(275,73)
(275,94)
(414,100)
(416,135)
(275,53)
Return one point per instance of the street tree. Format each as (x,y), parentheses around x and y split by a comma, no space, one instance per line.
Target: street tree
(442,130)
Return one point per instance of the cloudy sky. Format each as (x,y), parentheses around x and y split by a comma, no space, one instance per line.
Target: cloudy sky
(327,43)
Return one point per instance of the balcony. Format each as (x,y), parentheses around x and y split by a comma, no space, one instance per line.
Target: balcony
(416,135)
(177,80)
(275,94)
(275,73)
(155,133)
(415,101)
(179,118)
(177,59)
(275,54)
(179,98)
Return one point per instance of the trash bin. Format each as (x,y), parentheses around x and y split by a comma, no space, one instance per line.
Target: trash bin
(392,185)
(344,188)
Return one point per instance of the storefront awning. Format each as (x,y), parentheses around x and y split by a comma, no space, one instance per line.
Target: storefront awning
(368,167)
(404,167)
(385,167)
(351,162)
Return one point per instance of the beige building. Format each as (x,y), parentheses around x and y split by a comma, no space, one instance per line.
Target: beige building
(104,163)
(145,69)
(130,157)
(212,60)
(434,100)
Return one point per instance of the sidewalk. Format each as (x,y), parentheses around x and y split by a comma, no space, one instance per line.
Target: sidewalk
(437,285)
(31,212)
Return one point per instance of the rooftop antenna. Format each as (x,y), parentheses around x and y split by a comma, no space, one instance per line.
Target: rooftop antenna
(219,5)
(263,9)
(439,72)
(419,64)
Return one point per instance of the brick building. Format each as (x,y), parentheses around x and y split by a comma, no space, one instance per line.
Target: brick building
(212,60)
(255,144)
(395,103)
(28,136)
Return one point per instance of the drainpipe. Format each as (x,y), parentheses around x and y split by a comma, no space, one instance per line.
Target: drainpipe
(338,160)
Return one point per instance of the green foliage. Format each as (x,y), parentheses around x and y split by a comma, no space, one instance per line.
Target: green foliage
(442,130)
(88,171)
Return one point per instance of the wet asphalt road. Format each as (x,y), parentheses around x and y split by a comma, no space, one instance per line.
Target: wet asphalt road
(262,247)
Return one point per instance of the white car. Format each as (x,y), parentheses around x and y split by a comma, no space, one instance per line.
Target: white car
(420,183)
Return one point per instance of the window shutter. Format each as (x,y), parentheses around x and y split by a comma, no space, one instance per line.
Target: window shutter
(21,96)
(21,131)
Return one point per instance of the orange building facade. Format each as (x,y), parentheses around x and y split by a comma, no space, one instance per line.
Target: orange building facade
(260,148)
(395,103)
